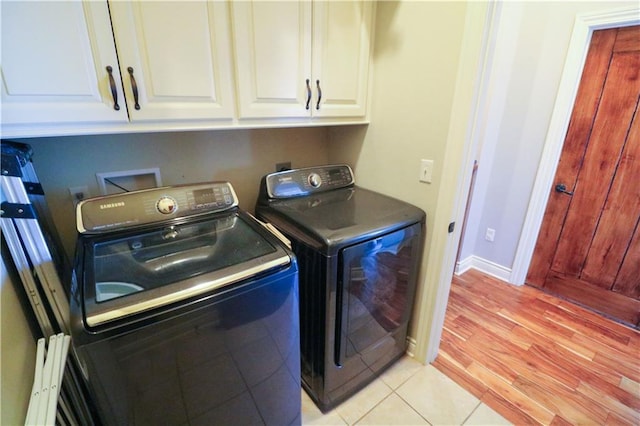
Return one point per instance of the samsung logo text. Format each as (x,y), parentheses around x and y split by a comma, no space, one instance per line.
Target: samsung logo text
(111,205)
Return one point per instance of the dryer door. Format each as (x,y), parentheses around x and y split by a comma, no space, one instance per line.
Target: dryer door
(376,290)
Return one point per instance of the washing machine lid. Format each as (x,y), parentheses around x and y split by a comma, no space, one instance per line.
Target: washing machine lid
(338,218)
(125,274)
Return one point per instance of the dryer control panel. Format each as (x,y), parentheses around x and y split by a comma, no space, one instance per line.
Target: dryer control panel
(302,182)
(138,208)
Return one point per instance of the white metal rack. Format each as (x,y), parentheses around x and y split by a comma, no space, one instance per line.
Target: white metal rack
(47,381)
(29,235)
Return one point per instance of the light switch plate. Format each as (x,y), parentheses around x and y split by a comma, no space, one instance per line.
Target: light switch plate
(426,170)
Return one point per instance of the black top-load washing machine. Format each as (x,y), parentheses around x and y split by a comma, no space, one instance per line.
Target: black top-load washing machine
(184,310)
(358,252)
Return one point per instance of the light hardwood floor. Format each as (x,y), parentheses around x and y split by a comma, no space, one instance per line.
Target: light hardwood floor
(538,359)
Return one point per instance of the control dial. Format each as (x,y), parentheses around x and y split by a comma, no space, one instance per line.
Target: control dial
(315,180)
(167,205)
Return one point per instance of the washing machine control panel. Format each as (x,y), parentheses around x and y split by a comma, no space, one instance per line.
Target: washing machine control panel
(302,182)
(119,211)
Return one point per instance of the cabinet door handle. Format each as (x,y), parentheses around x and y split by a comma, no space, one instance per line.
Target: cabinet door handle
(319,94)
(308,95)
(112,84)
(134,88)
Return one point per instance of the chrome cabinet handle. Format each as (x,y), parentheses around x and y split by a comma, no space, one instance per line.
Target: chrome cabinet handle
(319,94)
(134,88)
(308,95)
(112,84)
(562,188)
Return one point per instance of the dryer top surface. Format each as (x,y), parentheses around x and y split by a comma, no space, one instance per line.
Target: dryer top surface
(342,217)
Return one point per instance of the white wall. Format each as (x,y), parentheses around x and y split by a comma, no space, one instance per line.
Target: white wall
(239,156)
(529,59)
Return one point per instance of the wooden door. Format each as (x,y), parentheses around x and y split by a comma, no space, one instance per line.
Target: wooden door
(588,249)
(179,56)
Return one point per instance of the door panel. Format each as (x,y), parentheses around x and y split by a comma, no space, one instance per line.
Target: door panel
(627,40)
(627,282)
(586,104)
(609,133)
(619,218)
(628,279)
(588,249)
(54,60)
(273,57)
(180,57)
(341,34)
(301,58)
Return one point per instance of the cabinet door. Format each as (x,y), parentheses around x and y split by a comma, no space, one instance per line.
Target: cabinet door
(341,40)
(273,57)
(177,55)
(54,59)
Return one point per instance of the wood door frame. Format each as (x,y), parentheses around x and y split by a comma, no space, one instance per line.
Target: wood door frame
(583,28)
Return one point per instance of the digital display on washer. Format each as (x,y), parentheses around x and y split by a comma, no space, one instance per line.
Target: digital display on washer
(204,196)
(335,173)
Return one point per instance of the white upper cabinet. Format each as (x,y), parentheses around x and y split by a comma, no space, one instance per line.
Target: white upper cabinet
(341,51)
(54,66)
(73,67)
(173,62)
(302,59)
(175,59)
(273,57)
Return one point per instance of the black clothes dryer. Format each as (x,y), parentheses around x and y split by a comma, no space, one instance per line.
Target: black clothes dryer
(184,311)
(358,252)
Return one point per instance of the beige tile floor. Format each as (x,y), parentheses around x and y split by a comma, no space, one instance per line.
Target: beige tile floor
(409,393)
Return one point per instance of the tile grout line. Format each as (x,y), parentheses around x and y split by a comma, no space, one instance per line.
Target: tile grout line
(393,391)
(411,406)
(369,411)
(471,413)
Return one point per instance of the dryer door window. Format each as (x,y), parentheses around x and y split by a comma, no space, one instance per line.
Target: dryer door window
(376,290)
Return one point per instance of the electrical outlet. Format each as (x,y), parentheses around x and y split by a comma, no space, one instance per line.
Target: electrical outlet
(490,235)
(79,193)
(285,165)
(426,170)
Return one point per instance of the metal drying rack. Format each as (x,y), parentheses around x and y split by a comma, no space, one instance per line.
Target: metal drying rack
(58,396)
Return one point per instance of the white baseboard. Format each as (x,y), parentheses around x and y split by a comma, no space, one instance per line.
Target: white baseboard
(464,265)
(483,265)
(411,346)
